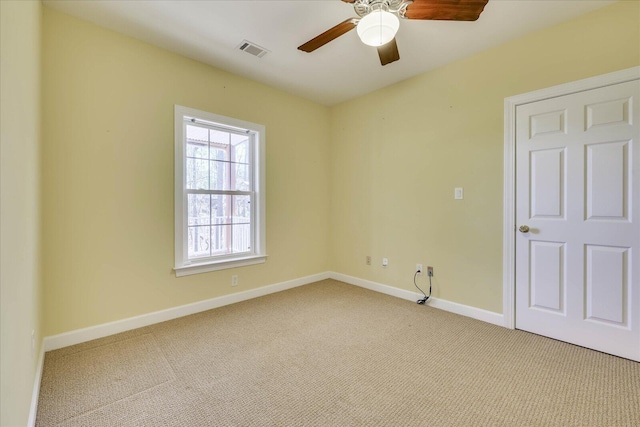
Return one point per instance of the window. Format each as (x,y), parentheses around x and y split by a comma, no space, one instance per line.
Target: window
(220,197)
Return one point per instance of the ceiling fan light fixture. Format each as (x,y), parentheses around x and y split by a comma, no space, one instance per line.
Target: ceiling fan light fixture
(378,28)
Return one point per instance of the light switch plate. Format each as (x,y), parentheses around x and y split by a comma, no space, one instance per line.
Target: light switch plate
(458,194)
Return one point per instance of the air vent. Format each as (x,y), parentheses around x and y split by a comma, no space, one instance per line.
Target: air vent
(252,48)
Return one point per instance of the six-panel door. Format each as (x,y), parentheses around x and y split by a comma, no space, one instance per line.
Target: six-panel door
(578,191)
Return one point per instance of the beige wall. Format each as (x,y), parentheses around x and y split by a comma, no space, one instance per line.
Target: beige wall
(108,175)
(398,153)
(382,167)
(20,284)
(373,176)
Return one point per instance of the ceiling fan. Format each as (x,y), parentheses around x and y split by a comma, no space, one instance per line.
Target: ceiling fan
(377,21)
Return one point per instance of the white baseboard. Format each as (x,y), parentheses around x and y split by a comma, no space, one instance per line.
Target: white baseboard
(35,395)
(375,286)
(99,331)
(467,310)
(453,307)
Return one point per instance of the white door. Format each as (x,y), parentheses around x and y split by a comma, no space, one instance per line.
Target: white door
(578,192)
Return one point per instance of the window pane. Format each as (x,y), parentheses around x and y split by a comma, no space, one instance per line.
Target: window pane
(197,133)
(197,174)
(241,209)
(241,237)
(199,209)
(220,239)
(220,209)
(199,242)
(219,137)
(240,148)
(240,179)
(190,173)
(219,175)
(219,153)
(197,149)
(219,145)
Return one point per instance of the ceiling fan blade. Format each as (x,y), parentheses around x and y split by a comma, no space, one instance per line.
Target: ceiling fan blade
(451,10)
(388,53)
(330,34)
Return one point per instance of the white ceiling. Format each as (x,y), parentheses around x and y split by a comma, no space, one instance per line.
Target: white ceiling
(211,31)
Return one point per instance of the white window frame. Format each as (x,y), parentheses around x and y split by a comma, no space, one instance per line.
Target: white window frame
(184,266)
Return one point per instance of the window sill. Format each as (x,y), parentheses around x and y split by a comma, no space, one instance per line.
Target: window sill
(219,265)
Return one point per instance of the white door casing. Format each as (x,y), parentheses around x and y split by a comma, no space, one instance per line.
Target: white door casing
(576,164)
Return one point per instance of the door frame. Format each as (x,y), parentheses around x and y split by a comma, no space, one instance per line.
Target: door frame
(509,197)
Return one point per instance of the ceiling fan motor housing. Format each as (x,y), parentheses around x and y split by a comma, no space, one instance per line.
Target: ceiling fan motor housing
(397,7)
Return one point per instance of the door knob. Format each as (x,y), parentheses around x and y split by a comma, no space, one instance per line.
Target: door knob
(524,228)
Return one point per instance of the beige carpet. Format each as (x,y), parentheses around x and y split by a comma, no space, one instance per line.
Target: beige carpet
(332,354)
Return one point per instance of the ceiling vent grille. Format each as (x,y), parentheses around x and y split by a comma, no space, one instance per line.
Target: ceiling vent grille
(252,48)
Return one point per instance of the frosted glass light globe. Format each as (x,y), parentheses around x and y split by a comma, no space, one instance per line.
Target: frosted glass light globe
(378,28)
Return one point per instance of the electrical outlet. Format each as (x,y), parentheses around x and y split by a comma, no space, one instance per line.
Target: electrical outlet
(419,268)
(430,271)
(234,280)
(385,262)
(368,260)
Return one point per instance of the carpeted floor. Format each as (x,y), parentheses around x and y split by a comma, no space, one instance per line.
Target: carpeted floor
(332,354)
